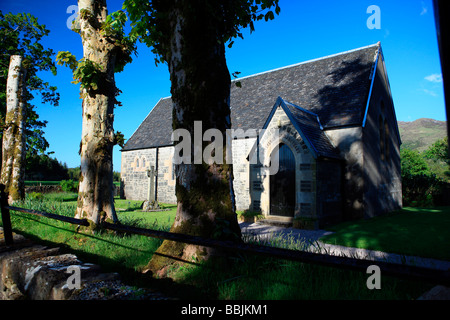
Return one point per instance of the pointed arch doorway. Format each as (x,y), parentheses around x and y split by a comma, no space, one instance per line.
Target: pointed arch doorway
(282,184)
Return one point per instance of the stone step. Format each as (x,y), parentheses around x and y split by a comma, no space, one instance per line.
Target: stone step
(278,221)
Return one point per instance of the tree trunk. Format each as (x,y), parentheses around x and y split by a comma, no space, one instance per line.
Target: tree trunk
(95,194)
(200,92)
(13,146)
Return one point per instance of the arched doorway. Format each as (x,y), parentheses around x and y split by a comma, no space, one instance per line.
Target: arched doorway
(282,184)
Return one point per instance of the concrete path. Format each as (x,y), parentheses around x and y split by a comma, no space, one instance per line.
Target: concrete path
(308,240)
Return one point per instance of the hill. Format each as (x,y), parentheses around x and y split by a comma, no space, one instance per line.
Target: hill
(421,133)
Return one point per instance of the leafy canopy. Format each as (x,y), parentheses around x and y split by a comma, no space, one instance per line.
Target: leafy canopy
(21,34)
(438,151)
(88,73)
(413,163)
(149,20)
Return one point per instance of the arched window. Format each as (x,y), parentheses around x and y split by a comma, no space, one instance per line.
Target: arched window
(143,162)
(137,163)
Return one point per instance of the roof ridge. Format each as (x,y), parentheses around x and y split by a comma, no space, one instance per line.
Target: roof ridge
(300,108)
(308,61)
(307,111)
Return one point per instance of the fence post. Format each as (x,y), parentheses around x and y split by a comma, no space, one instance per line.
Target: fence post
(6,219)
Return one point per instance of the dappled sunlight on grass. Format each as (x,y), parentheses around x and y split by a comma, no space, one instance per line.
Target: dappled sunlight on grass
(243,276)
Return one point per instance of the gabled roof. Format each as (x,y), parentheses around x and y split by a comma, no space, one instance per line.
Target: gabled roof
(335,88)
(309,127)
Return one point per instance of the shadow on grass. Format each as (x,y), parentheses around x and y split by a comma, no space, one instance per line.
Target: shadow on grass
(412,231)
(129,275)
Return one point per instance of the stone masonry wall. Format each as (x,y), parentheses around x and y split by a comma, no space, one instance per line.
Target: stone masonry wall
(241,172)
(305,173)
(136,162)
(134,177)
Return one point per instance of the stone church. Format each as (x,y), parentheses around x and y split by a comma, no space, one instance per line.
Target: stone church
(338,145)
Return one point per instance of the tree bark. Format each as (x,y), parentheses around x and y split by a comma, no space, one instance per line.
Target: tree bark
(13,146)
(200,92)
(95,194)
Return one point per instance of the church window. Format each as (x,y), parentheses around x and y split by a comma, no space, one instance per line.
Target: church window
(257,205)
(305,166)
(137,163)
(143,163)
(305,186)
(257,185)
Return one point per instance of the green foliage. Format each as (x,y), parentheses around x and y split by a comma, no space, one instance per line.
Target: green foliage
(44,168)
(21,34)
(422,186)
(85,71)
(438,151)
(88,73)
(69,185)
(65,58)
(114,23)
(149,20)
(74,173)
(35,196)
(438,158)
(119,139)
(413,163)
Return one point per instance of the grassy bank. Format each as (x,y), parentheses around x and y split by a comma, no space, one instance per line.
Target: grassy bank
(243,277)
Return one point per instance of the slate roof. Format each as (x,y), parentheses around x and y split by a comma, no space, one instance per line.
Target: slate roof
(335,88)
(308,124)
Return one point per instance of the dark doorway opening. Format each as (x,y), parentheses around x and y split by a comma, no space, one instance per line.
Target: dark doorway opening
(282,184)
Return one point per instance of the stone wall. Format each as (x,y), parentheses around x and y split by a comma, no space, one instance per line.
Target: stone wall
(382,169)
(134,179)
(329,193)
(349,142)
(43,189)
(305,164)
(136,162)
(241,172)
(31,271)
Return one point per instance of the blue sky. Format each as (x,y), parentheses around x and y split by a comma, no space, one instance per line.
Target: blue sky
(304,30)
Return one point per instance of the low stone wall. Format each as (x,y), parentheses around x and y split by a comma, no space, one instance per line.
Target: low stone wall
(43,189)
(33,272)
(56,188)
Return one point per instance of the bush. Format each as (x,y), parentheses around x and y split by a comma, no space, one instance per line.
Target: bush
(35,196)
(69,185)
(424,190)
(421,187)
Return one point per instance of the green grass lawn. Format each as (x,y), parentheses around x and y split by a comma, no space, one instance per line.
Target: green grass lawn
(243,277)
(421,232)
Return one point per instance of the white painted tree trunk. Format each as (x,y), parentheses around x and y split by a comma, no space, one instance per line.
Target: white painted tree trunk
(95,194)
(13,146)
